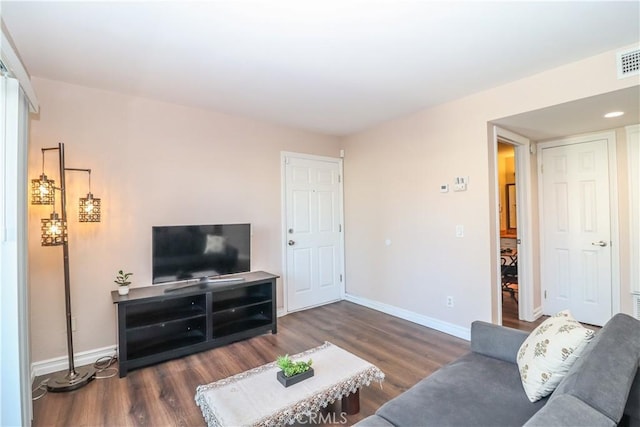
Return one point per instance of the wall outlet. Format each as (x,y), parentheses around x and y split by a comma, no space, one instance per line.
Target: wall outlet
(459,230)
(450,302)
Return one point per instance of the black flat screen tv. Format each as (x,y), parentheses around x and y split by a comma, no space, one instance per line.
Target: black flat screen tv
(186,252)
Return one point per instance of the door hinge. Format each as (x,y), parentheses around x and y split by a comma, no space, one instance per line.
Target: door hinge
(340,277)
(339,228)
(545,294)
(542,168)
(339,178)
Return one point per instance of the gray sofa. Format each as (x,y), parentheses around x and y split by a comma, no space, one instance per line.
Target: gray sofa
(483,387)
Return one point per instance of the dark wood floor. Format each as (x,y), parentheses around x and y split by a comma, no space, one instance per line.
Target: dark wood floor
(163,395)
(510,315)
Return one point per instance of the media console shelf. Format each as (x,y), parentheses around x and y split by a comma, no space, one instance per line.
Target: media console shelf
(154,325)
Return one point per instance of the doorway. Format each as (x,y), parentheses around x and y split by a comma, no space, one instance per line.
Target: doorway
(507,193)
(313,242)
(520,232)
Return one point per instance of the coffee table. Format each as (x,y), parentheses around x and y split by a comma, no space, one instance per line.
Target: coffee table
(256,398)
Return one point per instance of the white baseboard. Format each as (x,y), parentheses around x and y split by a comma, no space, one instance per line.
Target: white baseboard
(438,325)
(61,363)
(281,312)
(537,312)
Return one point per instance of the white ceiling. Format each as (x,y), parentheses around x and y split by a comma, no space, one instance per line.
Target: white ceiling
(576,117)
(335,67)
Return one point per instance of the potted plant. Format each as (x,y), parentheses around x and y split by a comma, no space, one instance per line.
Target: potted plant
(122,280)
(293,372)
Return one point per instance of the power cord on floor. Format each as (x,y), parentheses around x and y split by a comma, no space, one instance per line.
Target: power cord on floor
(103,364)
(42,387)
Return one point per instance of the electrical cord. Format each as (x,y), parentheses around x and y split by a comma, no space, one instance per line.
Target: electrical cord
(43,390)
(103,364)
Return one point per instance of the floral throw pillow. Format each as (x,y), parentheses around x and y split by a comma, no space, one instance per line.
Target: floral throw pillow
(549,351)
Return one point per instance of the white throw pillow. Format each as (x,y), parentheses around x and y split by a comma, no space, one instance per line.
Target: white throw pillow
(549,351)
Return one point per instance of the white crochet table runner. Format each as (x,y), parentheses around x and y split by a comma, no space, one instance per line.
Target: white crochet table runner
(256,398)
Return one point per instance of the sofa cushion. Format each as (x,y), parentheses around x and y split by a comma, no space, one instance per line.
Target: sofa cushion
(474,390)
(496,341)
(550,350)
(373,421)
(603,376)
(567,410)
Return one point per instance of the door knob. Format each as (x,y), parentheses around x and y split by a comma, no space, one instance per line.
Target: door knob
(291,243)
(599,243)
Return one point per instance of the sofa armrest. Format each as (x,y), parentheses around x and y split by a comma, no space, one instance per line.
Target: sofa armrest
(633,401)
(496,341)
(567,410)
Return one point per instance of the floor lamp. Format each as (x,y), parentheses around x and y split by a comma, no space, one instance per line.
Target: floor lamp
(54,233)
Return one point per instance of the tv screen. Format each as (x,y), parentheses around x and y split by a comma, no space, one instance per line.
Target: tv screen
(183,252)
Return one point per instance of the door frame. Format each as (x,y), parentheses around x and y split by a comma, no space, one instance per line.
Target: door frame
(523,149)
(283,210)
(610,136)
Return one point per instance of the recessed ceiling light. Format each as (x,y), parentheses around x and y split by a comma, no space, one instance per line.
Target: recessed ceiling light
(614,114)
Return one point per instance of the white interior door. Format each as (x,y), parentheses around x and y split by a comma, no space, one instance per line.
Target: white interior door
(313,209)
(577,262)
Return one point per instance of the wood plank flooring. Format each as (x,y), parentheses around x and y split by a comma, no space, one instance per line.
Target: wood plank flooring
(510,315)
(163,395)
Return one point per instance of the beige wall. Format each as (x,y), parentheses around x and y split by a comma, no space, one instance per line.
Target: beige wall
(392,178)
(152,164)
(156,163)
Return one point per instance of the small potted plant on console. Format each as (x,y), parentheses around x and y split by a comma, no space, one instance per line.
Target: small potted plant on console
(293,372)
(122,280)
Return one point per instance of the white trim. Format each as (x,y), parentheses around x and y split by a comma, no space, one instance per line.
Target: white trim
(61,363)
(283,217)
(525,225)
(12,61)
(610,136)
(537,312)
(15,389)
(495,239)
(429,322)
(633,158)
(283,228)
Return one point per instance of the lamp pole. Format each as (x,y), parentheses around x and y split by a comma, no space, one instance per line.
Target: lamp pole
(73,378)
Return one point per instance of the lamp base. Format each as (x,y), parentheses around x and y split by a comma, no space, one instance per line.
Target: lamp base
(71,380)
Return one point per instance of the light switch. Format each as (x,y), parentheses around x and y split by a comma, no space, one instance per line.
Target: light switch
(460,183)
(459,230)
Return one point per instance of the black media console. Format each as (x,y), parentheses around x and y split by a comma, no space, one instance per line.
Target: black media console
(155,325)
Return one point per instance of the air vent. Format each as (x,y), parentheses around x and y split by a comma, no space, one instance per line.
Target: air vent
(628,63)
(636,306)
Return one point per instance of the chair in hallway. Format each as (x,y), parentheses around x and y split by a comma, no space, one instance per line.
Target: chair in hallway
(509,273)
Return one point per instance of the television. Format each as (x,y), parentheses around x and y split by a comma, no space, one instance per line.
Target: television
(186,252)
